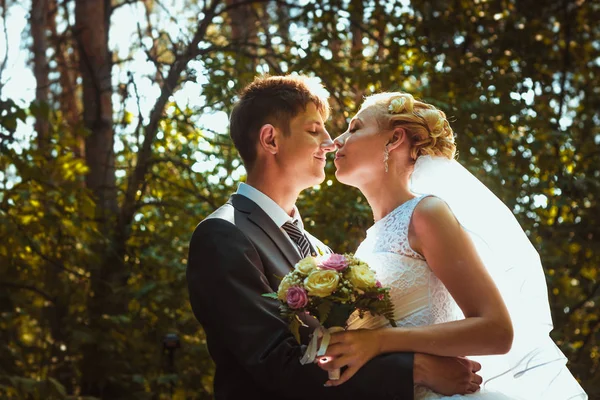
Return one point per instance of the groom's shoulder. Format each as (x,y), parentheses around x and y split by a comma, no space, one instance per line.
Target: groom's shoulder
(218,228)
(221,218)
(225,213)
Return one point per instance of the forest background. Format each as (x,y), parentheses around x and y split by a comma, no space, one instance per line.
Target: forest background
(114,145)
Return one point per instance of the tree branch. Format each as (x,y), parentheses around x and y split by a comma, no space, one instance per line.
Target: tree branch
(248,2)
(30,288)
(44,257)
(124,3)
(595,290)
(156,203)
(195,191)
(137,177)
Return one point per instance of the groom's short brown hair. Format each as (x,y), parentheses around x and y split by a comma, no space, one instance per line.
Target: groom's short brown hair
(272,100)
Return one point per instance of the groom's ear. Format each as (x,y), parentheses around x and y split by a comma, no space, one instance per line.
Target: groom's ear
(398,137)
(268,138)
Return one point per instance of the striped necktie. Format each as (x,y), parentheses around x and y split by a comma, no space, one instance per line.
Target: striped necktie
(298,237)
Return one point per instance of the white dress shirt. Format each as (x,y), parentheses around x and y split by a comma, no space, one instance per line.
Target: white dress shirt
(272,209)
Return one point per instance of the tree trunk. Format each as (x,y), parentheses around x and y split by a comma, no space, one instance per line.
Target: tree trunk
(38,21)
(243,22)
(91,30)
(283,23)
(380,26)
(92,18)
(67,66)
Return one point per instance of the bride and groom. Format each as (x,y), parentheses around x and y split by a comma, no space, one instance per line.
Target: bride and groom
(464,279)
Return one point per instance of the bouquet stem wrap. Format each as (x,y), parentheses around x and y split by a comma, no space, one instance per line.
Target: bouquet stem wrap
(314,350)
(334,374)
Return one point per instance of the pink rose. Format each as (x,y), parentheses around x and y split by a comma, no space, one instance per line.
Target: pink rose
(296,297)
(335,262)
(380,297)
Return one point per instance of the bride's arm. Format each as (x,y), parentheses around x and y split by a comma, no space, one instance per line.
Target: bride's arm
(436,234)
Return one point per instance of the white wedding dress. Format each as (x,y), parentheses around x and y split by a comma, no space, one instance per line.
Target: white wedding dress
(420,298)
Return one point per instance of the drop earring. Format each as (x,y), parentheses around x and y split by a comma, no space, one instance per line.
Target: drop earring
(386,156)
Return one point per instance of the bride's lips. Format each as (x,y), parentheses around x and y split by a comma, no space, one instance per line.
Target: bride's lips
(337,156)
(321,158)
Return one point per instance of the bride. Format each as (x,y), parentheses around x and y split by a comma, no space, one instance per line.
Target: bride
(464,278)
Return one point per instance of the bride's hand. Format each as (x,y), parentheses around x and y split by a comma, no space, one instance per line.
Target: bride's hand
(351,349)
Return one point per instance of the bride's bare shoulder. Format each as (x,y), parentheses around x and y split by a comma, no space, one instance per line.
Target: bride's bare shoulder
(432,217)
(432,209)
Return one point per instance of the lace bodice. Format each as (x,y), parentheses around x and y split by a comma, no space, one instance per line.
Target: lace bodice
(419,297)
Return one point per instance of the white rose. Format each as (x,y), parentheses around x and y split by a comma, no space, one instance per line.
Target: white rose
(361,276)
(322,283)
(284,285)
(306,265)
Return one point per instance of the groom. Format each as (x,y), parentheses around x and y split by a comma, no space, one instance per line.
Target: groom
(238,252)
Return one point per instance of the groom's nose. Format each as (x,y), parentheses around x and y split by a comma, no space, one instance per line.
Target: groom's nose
(327,144)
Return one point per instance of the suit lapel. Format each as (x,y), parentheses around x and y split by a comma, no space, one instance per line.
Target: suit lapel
(257,216)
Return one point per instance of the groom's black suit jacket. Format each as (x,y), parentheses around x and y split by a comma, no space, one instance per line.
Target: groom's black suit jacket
(236,254)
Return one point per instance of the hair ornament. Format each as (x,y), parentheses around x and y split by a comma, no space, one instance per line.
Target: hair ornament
(397,105)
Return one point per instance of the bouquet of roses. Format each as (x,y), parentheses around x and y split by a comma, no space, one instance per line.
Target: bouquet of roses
(330,288)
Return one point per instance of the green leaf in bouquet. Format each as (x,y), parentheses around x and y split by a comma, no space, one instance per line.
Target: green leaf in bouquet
(323,310)
(270,295)
(388,309)
(338,315)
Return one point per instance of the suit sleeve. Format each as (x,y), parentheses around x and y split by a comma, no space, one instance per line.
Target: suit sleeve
(226,281)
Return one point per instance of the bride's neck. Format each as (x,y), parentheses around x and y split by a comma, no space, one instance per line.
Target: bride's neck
(386,195)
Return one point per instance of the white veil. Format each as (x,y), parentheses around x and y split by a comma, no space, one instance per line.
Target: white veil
(509,256)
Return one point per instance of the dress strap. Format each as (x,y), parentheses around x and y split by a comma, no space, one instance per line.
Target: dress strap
(407,210)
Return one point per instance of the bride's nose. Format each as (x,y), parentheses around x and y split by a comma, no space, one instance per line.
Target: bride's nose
(340,141)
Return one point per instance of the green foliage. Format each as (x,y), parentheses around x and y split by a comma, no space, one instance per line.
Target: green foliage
(324,310)
(10,115)
(377,302)
(338,315)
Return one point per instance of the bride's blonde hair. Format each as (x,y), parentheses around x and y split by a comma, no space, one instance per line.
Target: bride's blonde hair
(426,126)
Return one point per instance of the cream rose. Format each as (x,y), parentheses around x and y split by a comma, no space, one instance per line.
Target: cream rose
(306,265)
(321,283)
(284,285)
(361,276)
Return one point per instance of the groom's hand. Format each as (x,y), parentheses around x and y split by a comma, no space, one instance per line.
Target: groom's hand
(446,375)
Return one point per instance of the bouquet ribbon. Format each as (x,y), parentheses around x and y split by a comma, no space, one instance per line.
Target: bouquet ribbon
(314,350)
(312,353)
